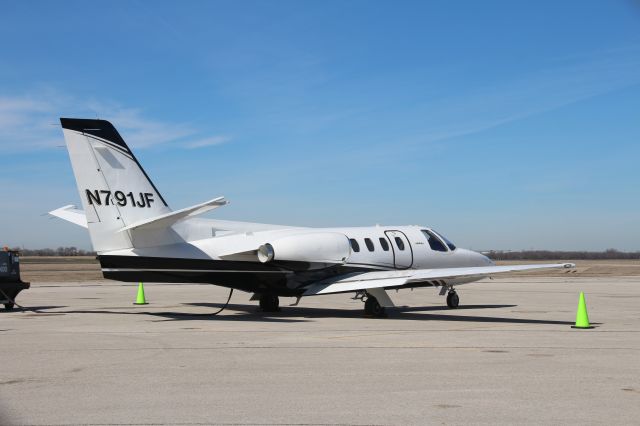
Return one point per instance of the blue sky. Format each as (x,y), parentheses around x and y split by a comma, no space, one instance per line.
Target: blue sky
(506,125)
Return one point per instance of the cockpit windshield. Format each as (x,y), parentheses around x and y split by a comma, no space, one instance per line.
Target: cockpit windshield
(451,246)
(434,241)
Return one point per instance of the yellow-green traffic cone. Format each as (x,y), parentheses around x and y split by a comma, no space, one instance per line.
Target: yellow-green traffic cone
(582,319)
(140,300)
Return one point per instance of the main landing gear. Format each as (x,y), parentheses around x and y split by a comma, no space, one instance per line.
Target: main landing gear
(269,303)
(452,299)
(372,308)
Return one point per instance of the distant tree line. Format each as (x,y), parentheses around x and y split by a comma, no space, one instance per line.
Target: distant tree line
(60,251)
(561,255)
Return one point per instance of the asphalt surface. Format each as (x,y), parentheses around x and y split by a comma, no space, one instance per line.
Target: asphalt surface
(508,355)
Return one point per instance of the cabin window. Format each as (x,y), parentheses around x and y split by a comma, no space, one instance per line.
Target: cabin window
(369,244)
(354,245)
(434,242)
(384,244)
(449,244)
(399,243)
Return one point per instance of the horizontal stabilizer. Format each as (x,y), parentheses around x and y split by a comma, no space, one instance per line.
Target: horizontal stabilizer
(71,214)
(168,219)
(390,279)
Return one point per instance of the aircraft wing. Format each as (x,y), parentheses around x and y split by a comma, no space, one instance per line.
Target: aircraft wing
(385,279)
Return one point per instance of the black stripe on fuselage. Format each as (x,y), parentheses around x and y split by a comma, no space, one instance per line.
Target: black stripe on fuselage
(169,263)
(281,278)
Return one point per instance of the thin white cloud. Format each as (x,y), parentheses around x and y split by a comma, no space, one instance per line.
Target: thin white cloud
(545,90)
(211,141)
(25,123)
(138,130)
(29,122)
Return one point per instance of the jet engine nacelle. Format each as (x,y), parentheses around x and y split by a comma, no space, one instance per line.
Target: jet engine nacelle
(314,247)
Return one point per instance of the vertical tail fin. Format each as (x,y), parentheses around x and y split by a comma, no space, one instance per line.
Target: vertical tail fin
(114,188)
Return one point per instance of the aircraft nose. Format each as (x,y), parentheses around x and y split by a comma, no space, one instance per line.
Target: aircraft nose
(478,259)
(486,260)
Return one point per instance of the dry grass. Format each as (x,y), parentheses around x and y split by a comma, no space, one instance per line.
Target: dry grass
(59,268)
(585,268)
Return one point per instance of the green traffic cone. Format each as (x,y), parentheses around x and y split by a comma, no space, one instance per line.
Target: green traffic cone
(582,319)
(140,300)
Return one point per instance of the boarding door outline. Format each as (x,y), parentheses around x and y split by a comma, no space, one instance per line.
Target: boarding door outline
(402,259)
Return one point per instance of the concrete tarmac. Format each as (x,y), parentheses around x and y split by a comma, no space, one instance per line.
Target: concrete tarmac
(508,355)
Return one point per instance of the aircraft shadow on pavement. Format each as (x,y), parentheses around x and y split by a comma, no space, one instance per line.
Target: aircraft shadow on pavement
(186,316)
(35,309)
(251,312)
(292,314)
(243,313)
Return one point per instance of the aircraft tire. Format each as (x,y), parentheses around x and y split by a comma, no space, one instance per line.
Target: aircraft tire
(372,308)
(8,306)
(269,303)
(453,301)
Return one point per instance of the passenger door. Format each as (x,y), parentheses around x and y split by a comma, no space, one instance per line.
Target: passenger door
(402,251)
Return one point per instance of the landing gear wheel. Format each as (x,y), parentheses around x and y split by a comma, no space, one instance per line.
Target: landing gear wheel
(269,303)
(373,309)
(453,300)
(8,306)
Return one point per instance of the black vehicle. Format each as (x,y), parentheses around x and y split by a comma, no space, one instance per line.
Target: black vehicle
(10,282)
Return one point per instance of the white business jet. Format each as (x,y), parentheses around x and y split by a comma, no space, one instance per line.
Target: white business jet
(139,238)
